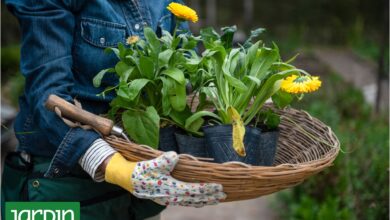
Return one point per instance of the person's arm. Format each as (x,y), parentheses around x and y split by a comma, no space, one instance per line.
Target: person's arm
(47,28)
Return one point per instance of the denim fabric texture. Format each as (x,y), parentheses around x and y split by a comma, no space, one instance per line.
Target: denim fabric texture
(62,49)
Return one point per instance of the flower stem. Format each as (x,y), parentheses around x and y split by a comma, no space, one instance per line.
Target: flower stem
(177,21)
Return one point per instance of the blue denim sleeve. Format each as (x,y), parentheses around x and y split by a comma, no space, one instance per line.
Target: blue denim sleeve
(46,62)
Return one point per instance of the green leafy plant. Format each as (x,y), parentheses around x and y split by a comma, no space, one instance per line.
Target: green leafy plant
(242,79)
(153,74)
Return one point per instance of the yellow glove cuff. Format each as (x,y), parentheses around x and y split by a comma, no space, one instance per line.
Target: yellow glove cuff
(119,171)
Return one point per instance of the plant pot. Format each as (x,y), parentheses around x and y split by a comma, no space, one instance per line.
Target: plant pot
(167,141)
(252,145)
(194,146)
(219,143)
(268,144)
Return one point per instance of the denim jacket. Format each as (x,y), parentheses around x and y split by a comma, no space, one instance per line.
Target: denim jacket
(62,49)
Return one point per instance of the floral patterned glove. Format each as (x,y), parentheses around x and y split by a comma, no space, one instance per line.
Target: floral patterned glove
(152,180)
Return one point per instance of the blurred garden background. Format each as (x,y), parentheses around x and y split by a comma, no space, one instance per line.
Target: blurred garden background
(346,42)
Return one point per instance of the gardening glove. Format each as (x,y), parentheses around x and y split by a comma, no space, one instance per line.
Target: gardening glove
(152,180)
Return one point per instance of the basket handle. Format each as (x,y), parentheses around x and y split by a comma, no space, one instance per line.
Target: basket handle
(71,112)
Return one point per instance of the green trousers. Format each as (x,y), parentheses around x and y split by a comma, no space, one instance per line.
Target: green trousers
(24,181)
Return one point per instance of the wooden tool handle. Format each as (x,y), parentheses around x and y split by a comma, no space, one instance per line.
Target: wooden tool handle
(71,112)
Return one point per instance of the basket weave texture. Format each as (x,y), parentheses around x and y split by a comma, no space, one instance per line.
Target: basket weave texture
(306,146)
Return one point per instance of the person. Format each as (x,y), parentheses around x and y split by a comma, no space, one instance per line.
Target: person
(62,49)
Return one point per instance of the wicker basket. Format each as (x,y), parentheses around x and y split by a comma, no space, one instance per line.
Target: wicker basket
(306,146)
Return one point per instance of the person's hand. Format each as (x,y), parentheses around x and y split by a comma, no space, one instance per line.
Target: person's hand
(152,180)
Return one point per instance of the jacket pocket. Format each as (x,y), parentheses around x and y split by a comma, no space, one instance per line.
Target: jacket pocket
(102,33)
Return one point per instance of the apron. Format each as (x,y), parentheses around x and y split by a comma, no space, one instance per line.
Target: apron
(24,181)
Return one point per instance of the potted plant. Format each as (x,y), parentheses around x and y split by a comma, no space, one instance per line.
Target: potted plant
(151,92)
(268,121)
(242,80)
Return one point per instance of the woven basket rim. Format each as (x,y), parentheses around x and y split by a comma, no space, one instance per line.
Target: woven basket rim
(258,180)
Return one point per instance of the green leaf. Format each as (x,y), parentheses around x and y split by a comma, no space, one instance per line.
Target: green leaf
(261,69)
(107,90)
(135,87)
(270,87)
(282,99)
(180,117)
(269,118)
(227,36)
(123,91)
(263,62)
(132,59)
(97,80)
(126,75)
(292,58)
(121,68)
(192,64)
(195,126)
(209,37)
(152,39)
(236,83)
(178,100)
(209,34)
(164,57)
(175,74)
(209,53)
(177,97)
(255,33)
(175,42)
(193,123)
(122,50)
(146,65)
(281,66)
(253,79)
(272,121)
(142,126)
(112,50)
(166,38)
(116,104)
(120,102)
(251,55)
(142,45)
(167,86)
(177,59)
(191,42)
(230,62)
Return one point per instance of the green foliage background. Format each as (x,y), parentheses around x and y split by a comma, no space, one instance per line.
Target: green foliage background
(357,186)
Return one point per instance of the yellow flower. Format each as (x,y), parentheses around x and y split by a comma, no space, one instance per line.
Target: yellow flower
(132,40)
(300,84)
(183,12)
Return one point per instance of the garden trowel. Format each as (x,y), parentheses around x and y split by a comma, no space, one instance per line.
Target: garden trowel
(71,112)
